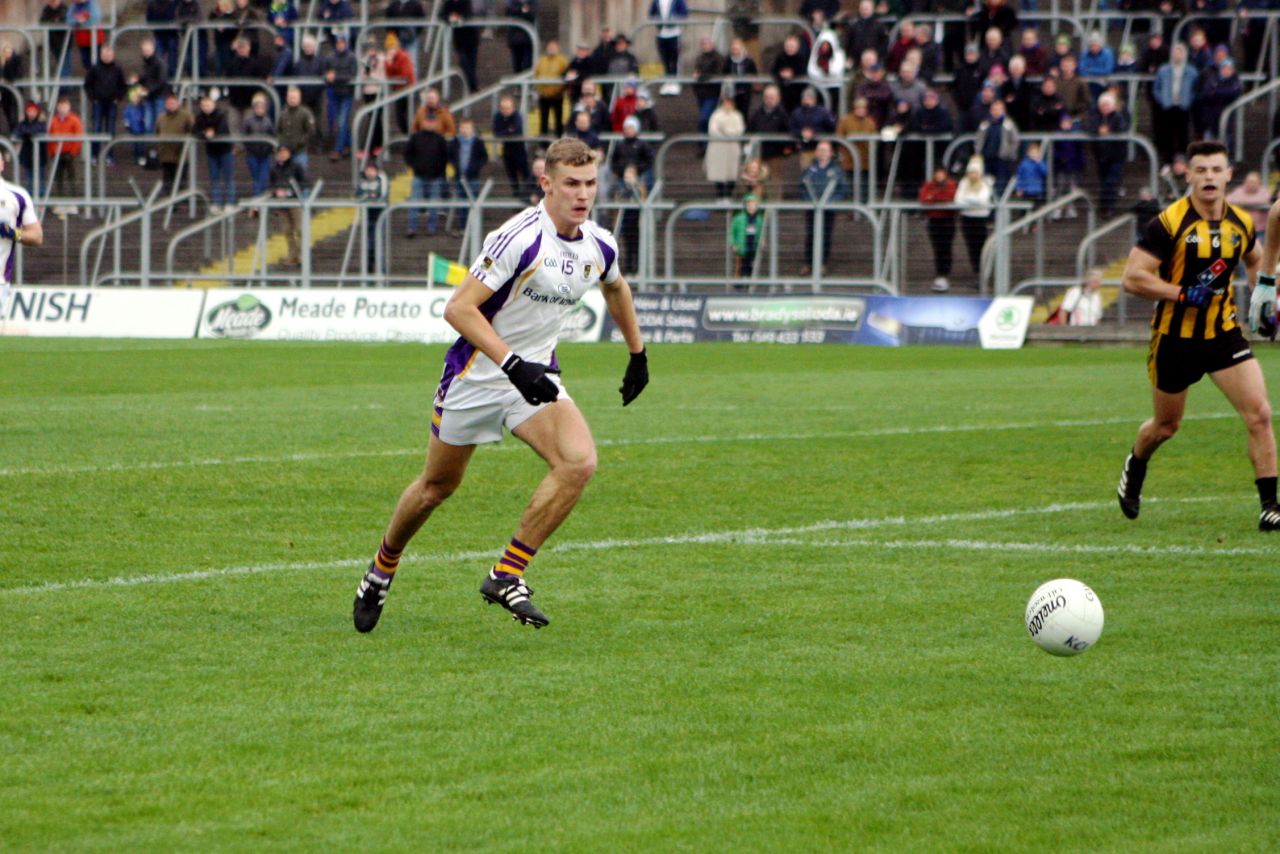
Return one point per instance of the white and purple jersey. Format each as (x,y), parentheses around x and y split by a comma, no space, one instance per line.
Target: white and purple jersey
(16,210)
(537,276)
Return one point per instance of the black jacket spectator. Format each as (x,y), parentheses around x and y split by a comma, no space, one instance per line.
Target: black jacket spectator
(773,122)
(254,125)
(1046,111)
(25,132)
(741,67)
(105,82)
(792,87)
(863,34)
(968,83)
(216,121)
(153,76)
(993,14)
(514,154)
(410,9)
(709,64)
(631,152)
(1017,95)
(288,176)
(309,65)
(479,158)
(934,119)
(55,16)
(250,67)
(427,154)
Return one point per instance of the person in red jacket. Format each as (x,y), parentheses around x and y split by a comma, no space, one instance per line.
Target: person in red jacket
(941,190)
(399,66)
(625,104)
(66,154)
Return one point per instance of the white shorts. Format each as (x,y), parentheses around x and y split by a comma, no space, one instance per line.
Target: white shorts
(474,414)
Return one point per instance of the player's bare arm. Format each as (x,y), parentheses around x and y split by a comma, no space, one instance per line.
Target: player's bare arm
(462,312)
(30,235)
(1142,277)
(617,299)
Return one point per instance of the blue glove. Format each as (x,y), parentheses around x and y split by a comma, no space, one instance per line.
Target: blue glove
(1197,295)
(1262,307)
(7,232)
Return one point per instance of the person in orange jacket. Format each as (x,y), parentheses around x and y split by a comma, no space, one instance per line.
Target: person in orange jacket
(63,156)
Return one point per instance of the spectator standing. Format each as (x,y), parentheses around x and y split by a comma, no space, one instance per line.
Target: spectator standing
(995,14)
(83,16)
(223,16)
(630,192)
(282,15)
(724,153)
(210,125)
(508,126)
(1105,122)
(866,32)
(827,65)
(769,118)
(258,155)
(1082,304)
(244,65)
(930,51)
(995,51)
(631,150)
(740,64)
(754,178)
(374,66)
(1174,96)
(399,69)
(153,77)
(745,232)
(668,14)
(1097,63)
(552,65)
(1068,162)
(340,71)
(297,128)
(808,121)
(30,154)
(789,70)
(373,189)
(248,19)
(135,122)
(188,13)
(337,16)
(164,14)
(974,193)
(1074,91)
(622,62)
(858,121)
(1046,107)
(624,105)
(998,144)
(466,39)
(908,87)
(822,182)
(1217,92)
(12,71)
(176,121)
(1252,195)
(468,157)
(708,66)
(309,64)
(1033,52)
(427,154)
(54,14)
(1017,92)
(414,14)
(63,156)
(1033,173)
(645,113)
(538,168)
(940,224)
(905,41)
(580,128)
(581,68)
(288,181)
(969,78)
(105,86)
(878,95)
(601,122)
(932,119)
(518,41)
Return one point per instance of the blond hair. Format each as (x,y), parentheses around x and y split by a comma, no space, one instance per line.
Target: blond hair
(569,152)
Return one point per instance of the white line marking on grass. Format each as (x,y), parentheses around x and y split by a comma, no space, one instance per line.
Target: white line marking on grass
(315,456)
(766,536)
(1037,548)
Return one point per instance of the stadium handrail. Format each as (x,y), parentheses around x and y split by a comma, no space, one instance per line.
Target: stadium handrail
(1086,252)
(1236,110)
(750,139)
(152,139)
(995,259)
(115,227)
(377,109)
(486,23)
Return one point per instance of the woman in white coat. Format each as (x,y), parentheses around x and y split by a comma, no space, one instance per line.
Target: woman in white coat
(975,193)
(723,157)
(827,67)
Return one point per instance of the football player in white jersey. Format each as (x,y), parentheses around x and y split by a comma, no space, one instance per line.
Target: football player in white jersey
(18,225)
(502,372)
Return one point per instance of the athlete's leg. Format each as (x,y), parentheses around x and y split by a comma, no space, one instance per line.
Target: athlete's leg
(1164,422)
(560,435)
(1244,386)
(446,465)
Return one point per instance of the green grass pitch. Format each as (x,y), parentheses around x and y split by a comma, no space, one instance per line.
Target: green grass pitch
(787,614)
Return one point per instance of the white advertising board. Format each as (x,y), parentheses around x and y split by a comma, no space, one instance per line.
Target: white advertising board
(100,312)
(327,315)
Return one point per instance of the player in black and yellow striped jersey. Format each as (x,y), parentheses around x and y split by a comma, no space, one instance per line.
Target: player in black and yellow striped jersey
(1185,260)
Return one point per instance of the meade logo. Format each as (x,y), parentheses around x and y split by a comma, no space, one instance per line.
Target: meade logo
(243,318)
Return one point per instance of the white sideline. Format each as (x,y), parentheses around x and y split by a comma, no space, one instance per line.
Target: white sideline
(766,536)
(1049,548)
(314,456)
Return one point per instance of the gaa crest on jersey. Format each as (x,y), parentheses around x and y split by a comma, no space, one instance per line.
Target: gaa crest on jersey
(486,263)
(586,272)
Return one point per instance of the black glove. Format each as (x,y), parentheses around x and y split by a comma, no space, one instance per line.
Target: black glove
(636,377)
(531,380)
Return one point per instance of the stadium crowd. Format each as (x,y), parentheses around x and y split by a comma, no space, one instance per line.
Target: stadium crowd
(909,79)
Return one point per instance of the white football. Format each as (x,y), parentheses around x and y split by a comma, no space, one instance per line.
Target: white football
(1064,617)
